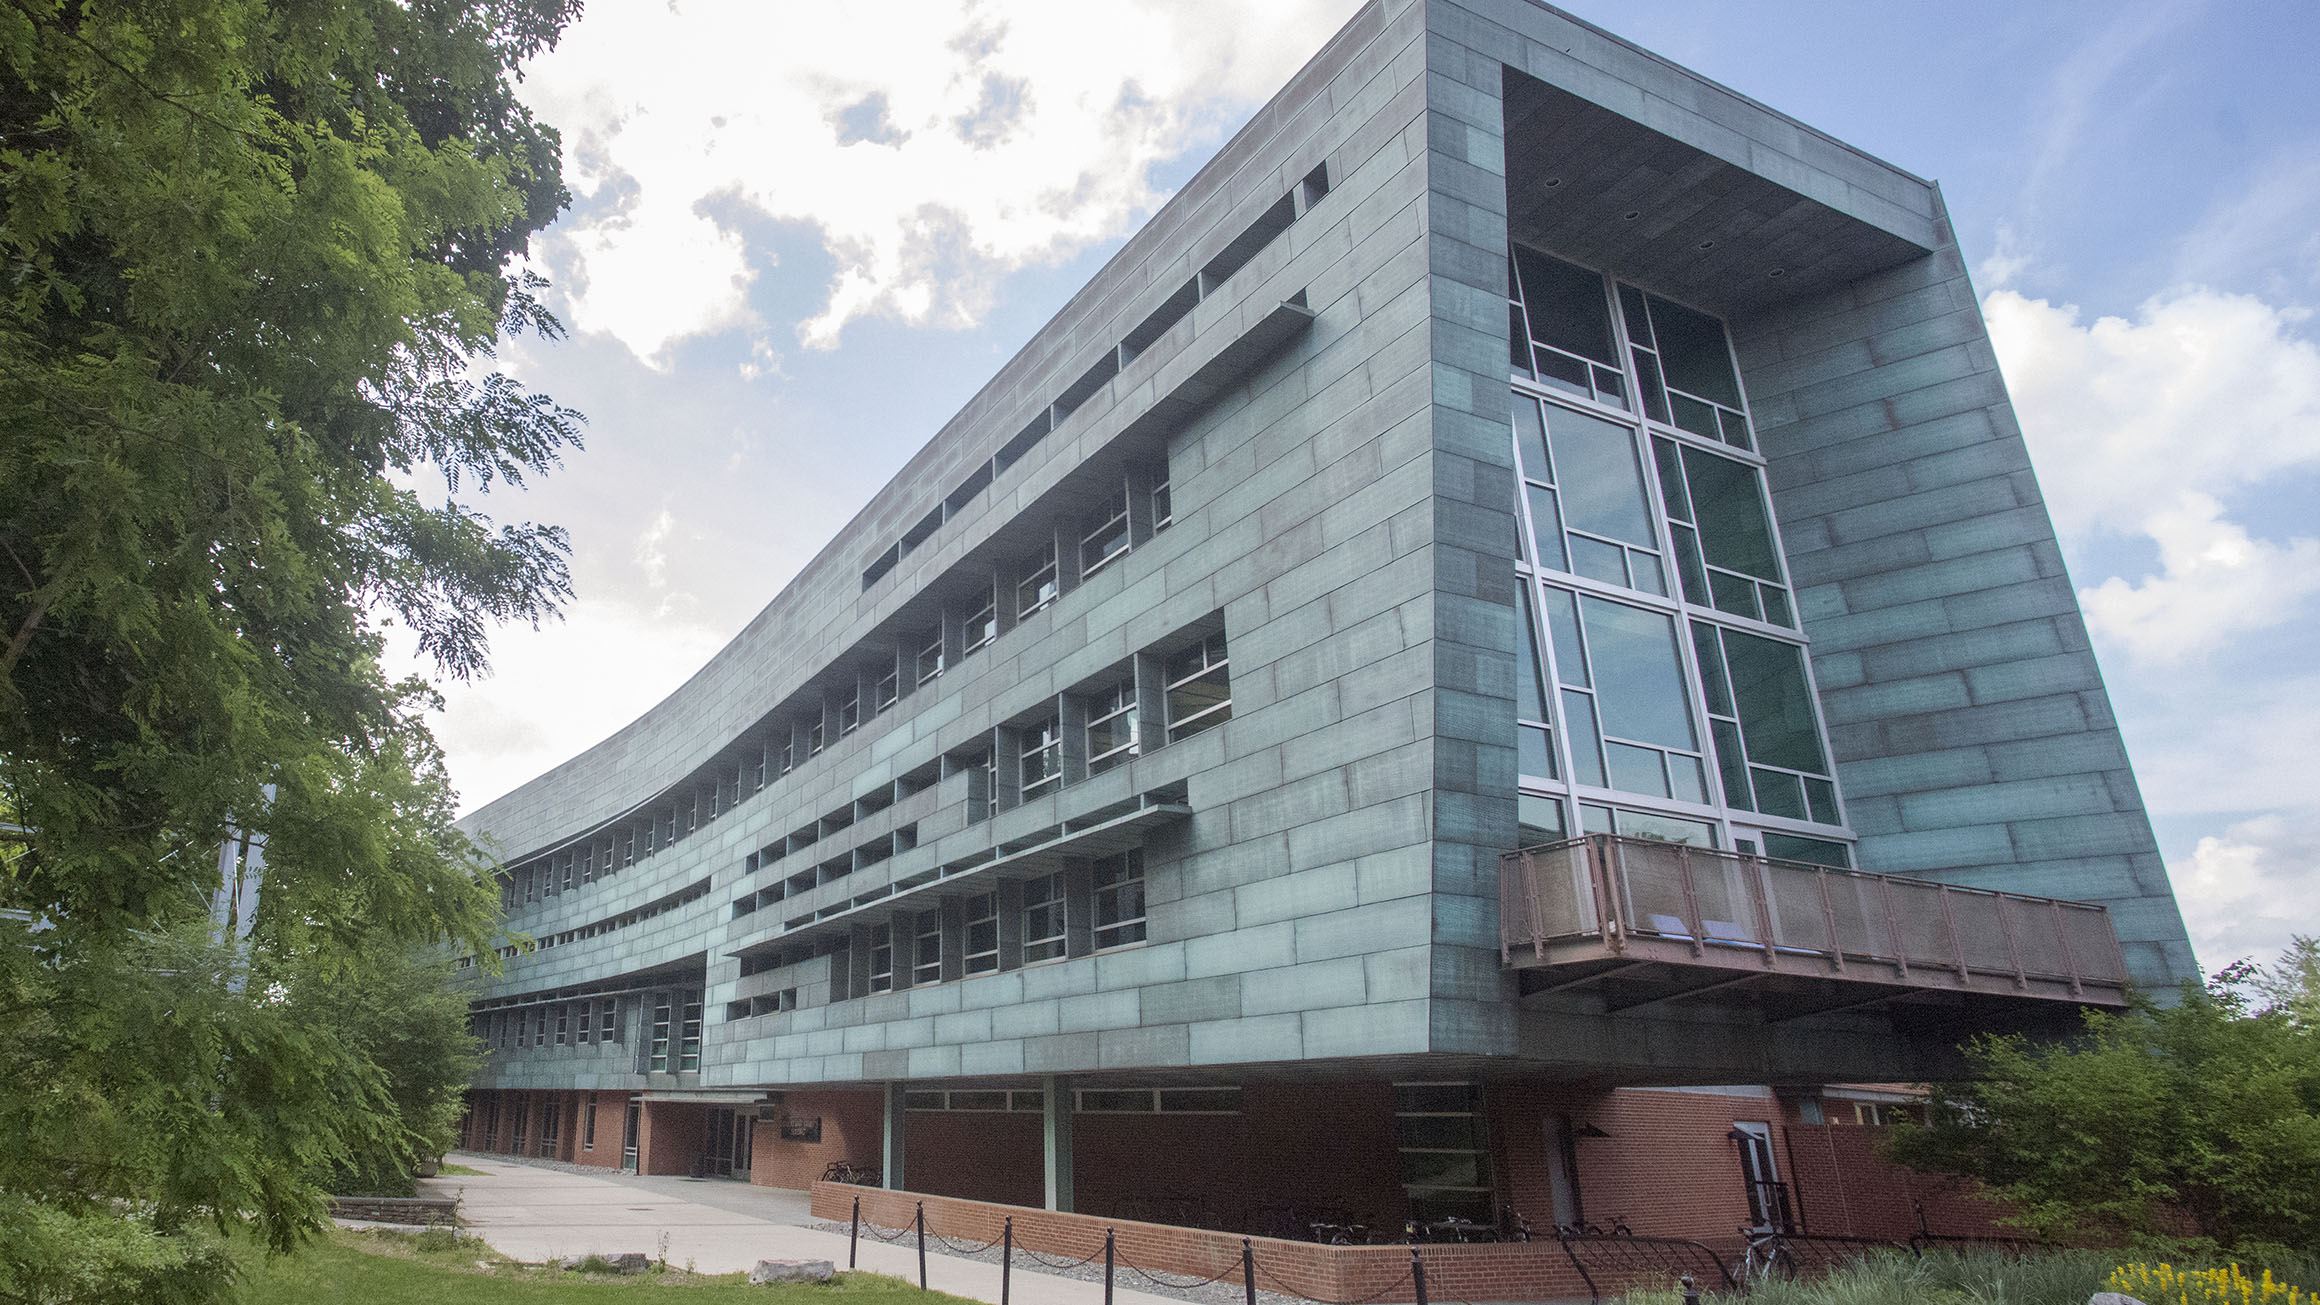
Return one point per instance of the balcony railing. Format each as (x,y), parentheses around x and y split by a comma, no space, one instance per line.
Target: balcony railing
(1604,897)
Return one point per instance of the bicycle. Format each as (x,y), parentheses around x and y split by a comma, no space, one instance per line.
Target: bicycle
(1766,1257)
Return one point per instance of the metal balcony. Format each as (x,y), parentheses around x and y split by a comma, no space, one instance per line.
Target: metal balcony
(1667,920)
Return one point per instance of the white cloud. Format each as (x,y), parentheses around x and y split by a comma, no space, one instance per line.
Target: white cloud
(556,691)
(2203,392)
(652,553)
(2245,892)
(934,144)
(2216,583)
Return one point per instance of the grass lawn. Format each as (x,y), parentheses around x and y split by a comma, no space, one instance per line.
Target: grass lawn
(460,1171)
(373,1268)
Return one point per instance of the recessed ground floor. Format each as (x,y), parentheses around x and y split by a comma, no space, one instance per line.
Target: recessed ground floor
(1330,1160)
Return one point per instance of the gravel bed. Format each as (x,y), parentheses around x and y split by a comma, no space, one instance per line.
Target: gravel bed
(1226,1292)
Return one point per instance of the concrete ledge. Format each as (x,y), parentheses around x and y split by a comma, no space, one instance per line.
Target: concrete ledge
(421,1211)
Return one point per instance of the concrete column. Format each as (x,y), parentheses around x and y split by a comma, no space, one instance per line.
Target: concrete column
(891,1158)
(1057,1142)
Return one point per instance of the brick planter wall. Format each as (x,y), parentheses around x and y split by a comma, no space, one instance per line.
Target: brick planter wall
(1527,1271)
(396,1209)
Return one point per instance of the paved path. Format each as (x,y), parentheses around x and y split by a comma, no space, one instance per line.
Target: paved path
(531,1213)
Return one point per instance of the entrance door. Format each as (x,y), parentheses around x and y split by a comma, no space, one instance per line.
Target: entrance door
(1563,1172)
(1768,1207)
(725,1143)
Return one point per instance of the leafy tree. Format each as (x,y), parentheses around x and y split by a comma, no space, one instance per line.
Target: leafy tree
(2206,1111)
(257,254)
(396,1008)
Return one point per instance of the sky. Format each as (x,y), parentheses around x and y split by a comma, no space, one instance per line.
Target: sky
(803,235)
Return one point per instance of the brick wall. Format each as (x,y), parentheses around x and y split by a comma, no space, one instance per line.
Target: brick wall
(851,1131)
(1850,1188)
(670,1138)
(1522,1271)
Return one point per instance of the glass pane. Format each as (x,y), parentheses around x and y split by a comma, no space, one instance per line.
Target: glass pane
(1567,306)
(1671,479)
(1537,820)
(1686,780)
(1735,428)
(1730,503)
(1731,762)
(1442,1168)
(1638,677)
(1694,416)
(1609,388)
(1776,708)
(1636,770)
(1688,564)
(1599,561)
(1530,437)
(1518,340)
(1563,631)
(1586,748)
(1638,320)
(1645,573)
(1654,398)
(1595,819)
(1691,347)
(1530,697)
(1563,372)
(1776,606)
(1535,752)
(1436,1098)
(1711,657)
(1734,594)
(1820,797)
(1788,847)
(1547,527)
(1442,1132)
(1666,829)
(1778,793)
(1601,479)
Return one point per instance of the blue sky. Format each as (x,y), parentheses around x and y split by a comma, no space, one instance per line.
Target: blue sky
(802,237)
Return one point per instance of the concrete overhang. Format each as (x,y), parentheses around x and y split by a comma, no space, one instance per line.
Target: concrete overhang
(1733,235)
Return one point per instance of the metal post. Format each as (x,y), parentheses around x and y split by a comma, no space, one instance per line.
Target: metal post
(1418,1274)
(1107,1266)
(1248,1271)
(854,1234)
(922,1246)
(1006,1258)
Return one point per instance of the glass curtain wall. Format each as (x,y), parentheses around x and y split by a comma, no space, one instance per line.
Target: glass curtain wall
(1663,685)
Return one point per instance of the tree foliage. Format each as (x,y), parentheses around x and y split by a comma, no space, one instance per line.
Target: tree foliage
(255,259)
(257,253)
(2205,1113)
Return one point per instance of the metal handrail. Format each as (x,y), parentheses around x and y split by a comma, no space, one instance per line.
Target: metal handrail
(1623,890)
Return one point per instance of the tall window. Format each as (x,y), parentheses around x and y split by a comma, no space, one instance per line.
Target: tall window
(982,624)
(607,1019)
(1042,757)
(1111,729)
(982,940)
(1163,507)
(1043,918)
(1037,587)
(1199,688)
(689,1041)
(1119,899)
(1107,540)
(926,949)
(930,657)
(657,1056)
(889,689)
(849,712)
(552,1125)
(563,1024)
(1445,1152)
(882,958)
(1662,686)
(588,1122)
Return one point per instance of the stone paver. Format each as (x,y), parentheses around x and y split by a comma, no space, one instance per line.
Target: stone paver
(531,1213)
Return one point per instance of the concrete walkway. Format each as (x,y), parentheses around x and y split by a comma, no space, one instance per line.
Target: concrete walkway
(533,1214)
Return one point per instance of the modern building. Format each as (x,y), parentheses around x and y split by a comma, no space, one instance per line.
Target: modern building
(1510,440)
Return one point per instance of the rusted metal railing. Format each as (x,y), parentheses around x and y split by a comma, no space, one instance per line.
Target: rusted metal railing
(1652,900)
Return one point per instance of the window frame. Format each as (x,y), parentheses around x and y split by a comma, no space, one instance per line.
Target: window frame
(1053,905)
(1214,661)
(1126,930)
